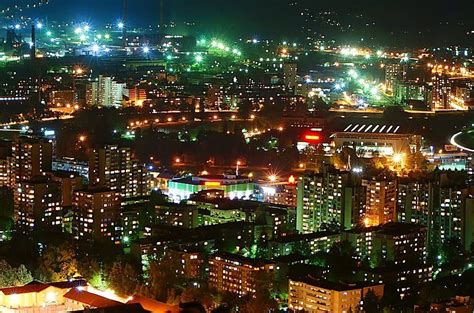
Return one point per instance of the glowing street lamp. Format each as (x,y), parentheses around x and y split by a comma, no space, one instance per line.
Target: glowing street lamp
(366,222)
(398,158)
(146,50)
(272,178)
(121,25)
(238,163)
(95,48)
(78,71)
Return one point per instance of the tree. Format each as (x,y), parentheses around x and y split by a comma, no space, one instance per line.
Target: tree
(272,111)
(6,209)
(123,278)
(245,108)
(371,303)
(163,277)
(452,251)
(202,295)
(11,276)
(341,261)
(262,300)
(58,263)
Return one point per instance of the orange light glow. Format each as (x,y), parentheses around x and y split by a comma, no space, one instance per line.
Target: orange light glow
(312,137)
(212,184)
(292,179)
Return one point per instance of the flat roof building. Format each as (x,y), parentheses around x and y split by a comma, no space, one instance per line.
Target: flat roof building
(313,295)
(232,185)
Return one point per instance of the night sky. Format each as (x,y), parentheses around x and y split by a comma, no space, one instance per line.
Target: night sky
(266,17)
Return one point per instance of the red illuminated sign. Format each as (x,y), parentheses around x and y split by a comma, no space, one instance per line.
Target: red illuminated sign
(312,137)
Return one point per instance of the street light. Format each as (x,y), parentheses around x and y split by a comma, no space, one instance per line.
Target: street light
(95,48)
(398,157)
(238,163)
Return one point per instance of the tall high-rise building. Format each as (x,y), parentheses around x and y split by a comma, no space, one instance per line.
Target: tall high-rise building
(322,202)
(312,295)
(290,71)
(447,217)
(413,201)
(236,274)
(441,91)
(30,157)
(442,204)
(470,169)
(105,92)
(380,201)
(113,166)
(393,72)
(96,214)
(391,243)
(38,204)
(5,153)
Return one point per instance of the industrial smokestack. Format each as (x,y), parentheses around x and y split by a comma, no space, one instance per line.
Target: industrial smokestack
(162,16)
(33,42)
(124,21)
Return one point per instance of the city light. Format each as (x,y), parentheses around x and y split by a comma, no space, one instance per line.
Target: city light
(215,158)
(366,222)
(398,157)
(95,48)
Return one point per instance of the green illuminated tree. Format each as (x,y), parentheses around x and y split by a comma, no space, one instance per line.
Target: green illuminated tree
(123,278)
(58,263)
(163,277)
(11,276)
(262,301)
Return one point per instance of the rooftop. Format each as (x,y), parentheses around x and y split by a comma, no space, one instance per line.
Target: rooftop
(371,128)
(36,286)
(213,180)
(90,299)
(313,280)
(154,306)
